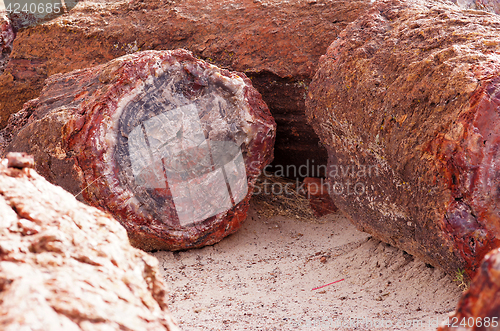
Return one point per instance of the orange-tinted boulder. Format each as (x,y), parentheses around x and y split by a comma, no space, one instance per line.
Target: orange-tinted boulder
(67,266)
(407,103)
(167,143)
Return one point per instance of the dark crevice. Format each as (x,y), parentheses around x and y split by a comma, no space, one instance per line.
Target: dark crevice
(296,141)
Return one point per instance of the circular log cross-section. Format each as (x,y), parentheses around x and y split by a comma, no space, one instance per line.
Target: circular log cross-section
(167,143)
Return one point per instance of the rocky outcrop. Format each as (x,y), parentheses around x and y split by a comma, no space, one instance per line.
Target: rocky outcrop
(167,143)
(277,44)
(406,102)
(68,266)
(479,307)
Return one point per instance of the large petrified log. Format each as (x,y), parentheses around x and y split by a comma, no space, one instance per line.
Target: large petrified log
(276,43)
(169,144)
(479,307)
(406,102)
(68,266)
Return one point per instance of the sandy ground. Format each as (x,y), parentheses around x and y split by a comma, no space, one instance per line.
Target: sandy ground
(262,278)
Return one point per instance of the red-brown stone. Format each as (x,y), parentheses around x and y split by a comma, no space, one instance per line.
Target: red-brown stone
(276,43)
(167,143)
(318,193)
(406,102)
(479,307)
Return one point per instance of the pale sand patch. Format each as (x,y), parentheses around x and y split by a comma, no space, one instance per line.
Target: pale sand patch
(262,277)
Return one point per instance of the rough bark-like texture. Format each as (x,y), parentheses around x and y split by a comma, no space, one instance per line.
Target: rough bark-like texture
(406,101)
(276,43)
(68,266)
(488,5)
(169,144)
(6,38)
(479,307)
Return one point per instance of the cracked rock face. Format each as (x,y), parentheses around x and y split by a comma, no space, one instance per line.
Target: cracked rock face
(277,44)
(67,266)
(167,143)
(479,306)
(406,102)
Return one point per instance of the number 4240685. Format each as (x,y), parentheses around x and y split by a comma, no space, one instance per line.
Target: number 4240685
(455,322)
(34,8)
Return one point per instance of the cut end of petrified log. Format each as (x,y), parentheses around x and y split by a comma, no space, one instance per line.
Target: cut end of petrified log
(169,144)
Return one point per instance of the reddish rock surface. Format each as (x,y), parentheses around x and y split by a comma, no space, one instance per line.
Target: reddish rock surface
(406,101)
(318,193)
(67,266)
(167,143)
(276,43)
(479,307)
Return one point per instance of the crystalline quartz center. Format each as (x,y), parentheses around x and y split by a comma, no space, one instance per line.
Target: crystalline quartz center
(170,151)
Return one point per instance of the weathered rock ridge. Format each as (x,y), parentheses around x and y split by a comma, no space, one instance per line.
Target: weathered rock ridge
(406,102)
(167,143)
(67,266)
(277,44)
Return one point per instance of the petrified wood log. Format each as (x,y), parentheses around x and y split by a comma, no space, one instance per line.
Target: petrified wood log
(68,266)
(479,306)
(406,102)
(276,43)
(169,144)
